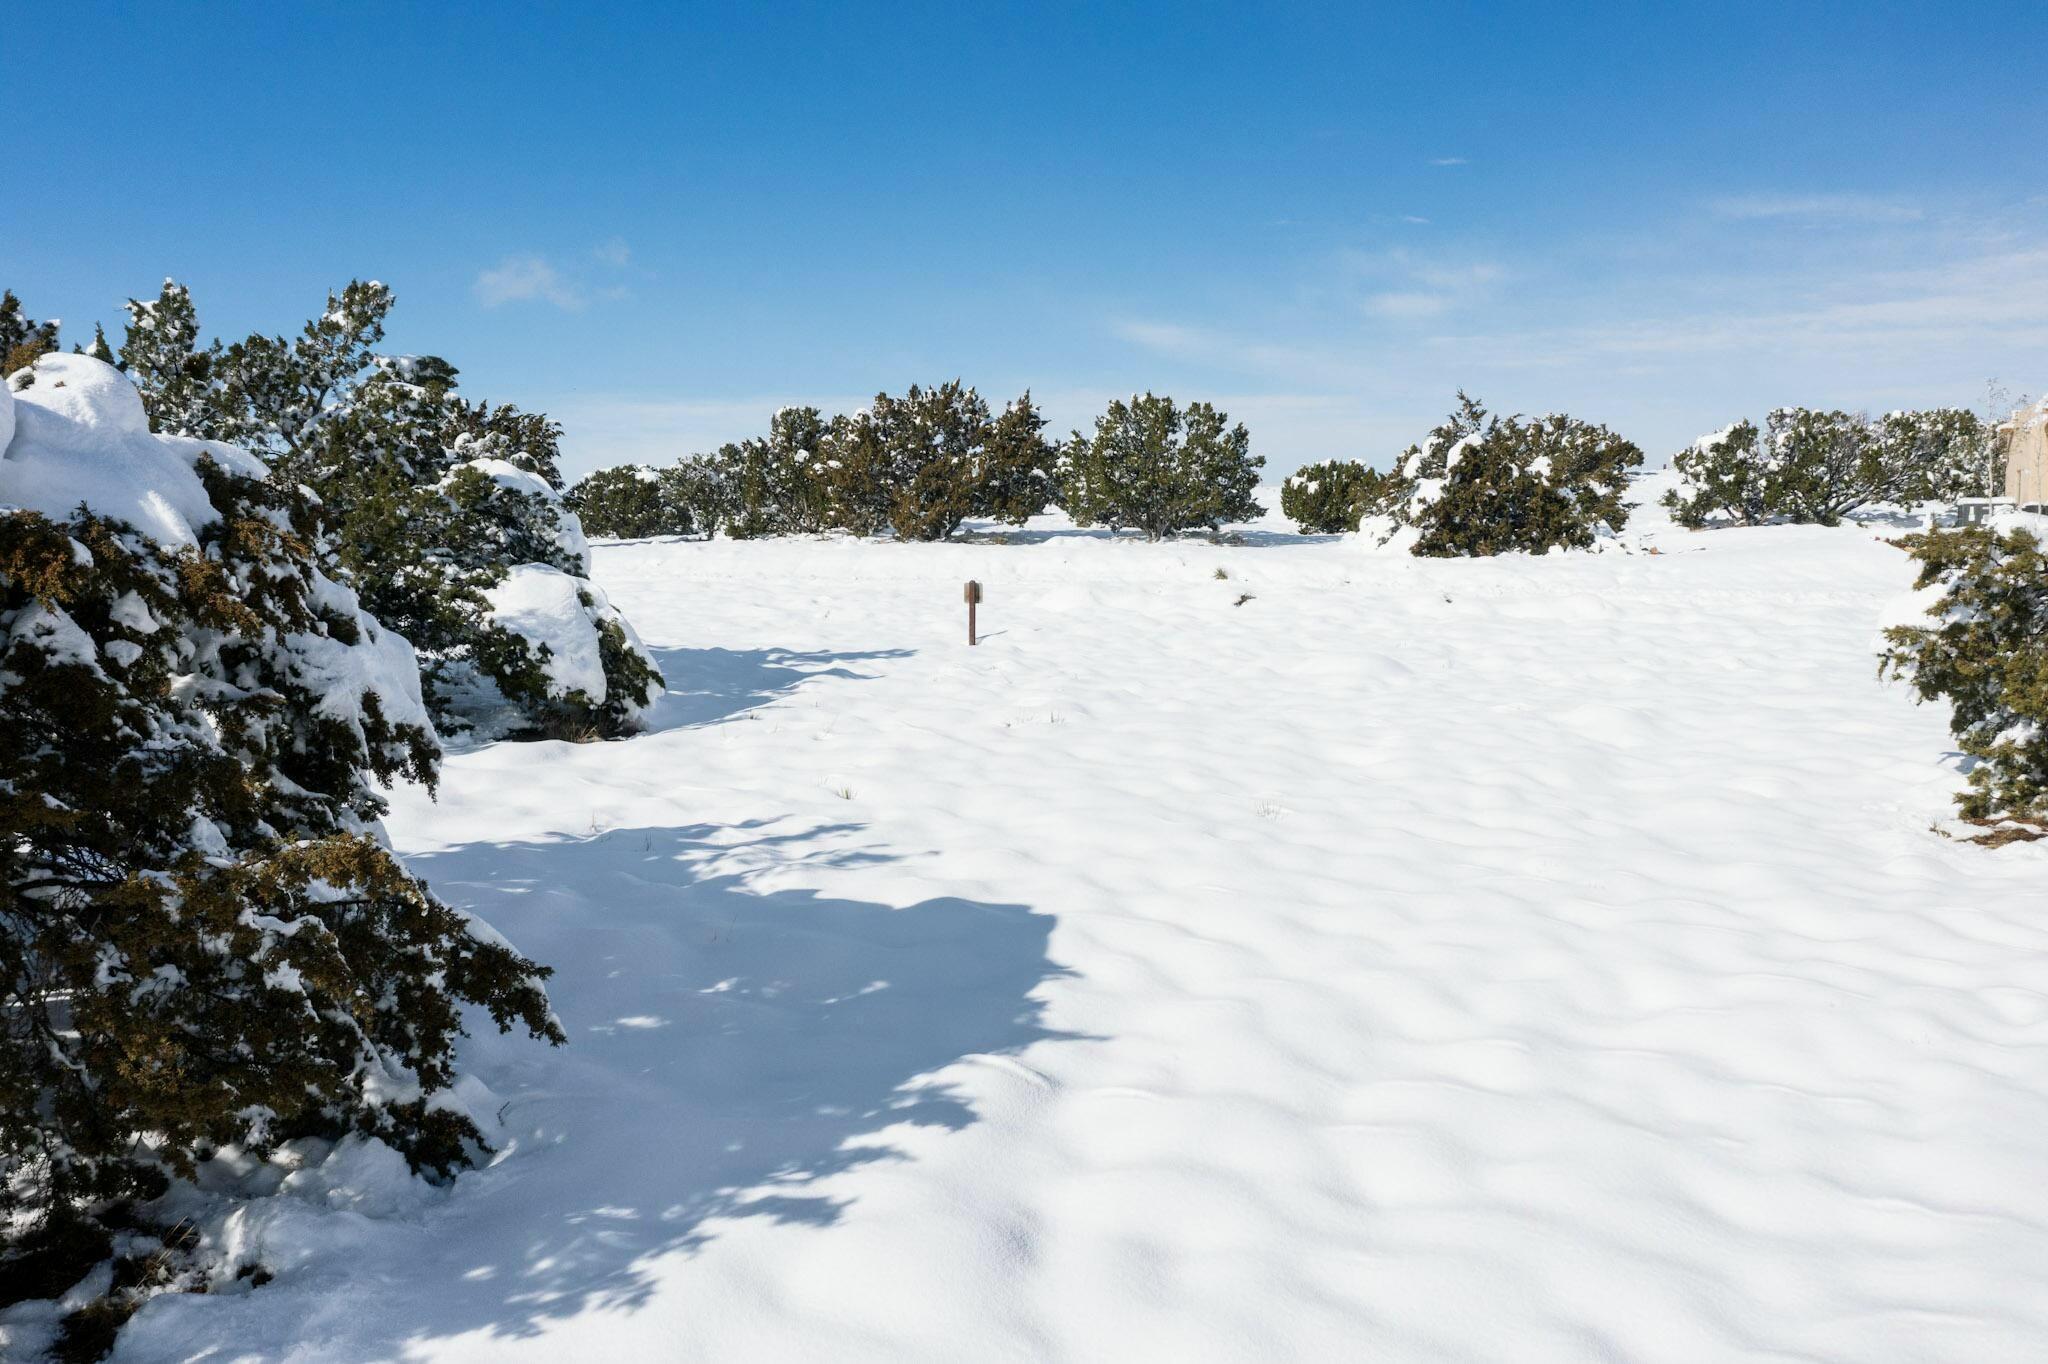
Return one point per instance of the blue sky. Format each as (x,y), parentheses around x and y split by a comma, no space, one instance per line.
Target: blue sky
(659,222)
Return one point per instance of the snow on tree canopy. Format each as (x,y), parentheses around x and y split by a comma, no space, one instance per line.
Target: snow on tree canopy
(546,606)
(76,435)
(509,476)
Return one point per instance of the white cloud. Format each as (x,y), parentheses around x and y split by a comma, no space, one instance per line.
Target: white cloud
(1448,161)
(614,253)
(525,278)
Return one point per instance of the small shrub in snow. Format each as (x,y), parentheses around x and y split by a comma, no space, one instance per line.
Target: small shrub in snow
(1482,485)
(1333,497)
(1721,478)
(1985,651)
(205,939)
(1817,466)
(1160,468)
(625,503)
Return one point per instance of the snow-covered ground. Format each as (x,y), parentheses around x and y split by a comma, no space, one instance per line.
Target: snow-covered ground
(1503,960)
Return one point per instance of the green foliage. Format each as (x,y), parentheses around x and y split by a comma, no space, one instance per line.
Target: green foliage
(1721,478)
(1018,465)
(203,940)
(626,503)
(1818,466)
(99,349)
(922,464)
(22,339)
(1985,651)
(177,378)
(1334,496)
(697,495)
(1482,485)
(1160,468)
(777,485)
(430,499)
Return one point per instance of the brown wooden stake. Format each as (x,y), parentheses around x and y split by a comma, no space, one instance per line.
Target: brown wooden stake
(973,595)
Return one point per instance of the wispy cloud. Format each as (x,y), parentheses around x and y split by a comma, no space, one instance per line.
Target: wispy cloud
(529,277)
(1448,161)
(1406,285)
(1855,208)
(522,279)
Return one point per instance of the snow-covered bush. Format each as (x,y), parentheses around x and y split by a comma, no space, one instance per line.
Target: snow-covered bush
(775,485)
(1160,468)
(1721,478)
(625,503)
(1808,465)
(924,463)
(1333,497)
(205,940)
(584,673)
(1481,485)
(696,490)
(431,500)
(1984,649)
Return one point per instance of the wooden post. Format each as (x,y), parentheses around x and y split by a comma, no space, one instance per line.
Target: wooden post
(973,595)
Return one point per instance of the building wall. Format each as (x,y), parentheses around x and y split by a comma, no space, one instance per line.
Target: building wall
(2026,457)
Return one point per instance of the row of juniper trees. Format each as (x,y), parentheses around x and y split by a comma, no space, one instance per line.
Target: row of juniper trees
(920,466)
(1479,483)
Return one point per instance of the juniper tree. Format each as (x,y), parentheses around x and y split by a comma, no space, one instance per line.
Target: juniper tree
(204,939)
(1160,468)
(22,338)
(99,349)
(1722,477)
(1018,465)
(1984,650)
(1483,485)
(1334,496)
(625,502)
(777,484)
(696,495)
(1817,466)
(423,489)
(914,464)
(162,354)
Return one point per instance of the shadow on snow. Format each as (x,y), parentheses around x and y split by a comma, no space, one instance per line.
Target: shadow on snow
(730,1051)
(708,685)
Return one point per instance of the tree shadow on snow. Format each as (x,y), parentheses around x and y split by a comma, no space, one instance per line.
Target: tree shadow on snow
(708,685)
(1238,537)
(730,1051)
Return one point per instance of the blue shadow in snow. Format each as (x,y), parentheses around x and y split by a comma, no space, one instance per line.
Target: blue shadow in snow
(732,1052)
(709,685)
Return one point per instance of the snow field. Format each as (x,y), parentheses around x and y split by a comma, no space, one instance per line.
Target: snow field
(1473,960)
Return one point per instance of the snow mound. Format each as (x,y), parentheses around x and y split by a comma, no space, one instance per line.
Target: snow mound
(546,606)
(77,435)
